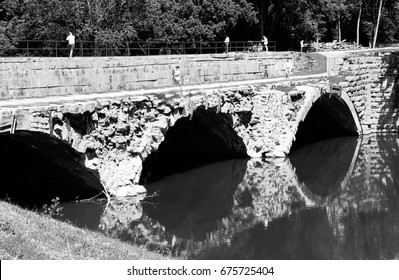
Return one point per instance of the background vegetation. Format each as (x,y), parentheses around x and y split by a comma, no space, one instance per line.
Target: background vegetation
(117,21)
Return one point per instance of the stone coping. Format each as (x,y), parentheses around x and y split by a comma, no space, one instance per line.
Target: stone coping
(171,91)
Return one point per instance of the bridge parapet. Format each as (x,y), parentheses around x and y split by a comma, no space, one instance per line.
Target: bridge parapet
(41,77)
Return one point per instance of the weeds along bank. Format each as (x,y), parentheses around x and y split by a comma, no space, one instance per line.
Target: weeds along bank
(28,235)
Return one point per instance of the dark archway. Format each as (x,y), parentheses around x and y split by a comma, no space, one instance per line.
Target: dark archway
(329,117)
(206,137)
(37,168)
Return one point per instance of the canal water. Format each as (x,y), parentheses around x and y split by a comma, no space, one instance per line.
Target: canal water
(334,199)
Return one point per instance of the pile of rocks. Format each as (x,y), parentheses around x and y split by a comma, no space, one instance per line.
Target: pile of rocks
(333,46)
(305,63)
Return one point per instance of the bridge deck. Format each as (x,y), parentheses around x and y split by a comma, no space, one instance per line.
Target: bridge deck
(168,92)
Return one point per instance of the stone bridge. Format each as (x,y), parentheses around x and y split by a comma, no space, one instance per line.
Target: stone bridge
(123,116)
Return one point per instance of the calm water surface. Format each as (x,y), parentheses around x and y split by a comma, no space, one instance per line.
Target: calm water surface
(335,199)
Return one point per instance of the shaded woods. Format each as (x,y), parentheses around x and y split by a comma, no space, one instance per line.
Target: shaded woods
(117,21)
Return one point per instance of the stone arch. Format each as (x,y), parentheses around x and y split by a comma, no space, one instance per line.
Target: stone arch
(325,116)
(39,167)
(202,137)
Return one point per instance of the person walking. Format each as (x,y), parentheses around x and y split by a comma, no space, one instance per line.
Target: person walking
(226,43)
(265,42)
(71,43)
(302,45)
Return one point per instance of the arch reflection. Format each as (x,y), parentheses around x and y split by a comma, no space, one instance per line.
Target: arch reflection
(254,209)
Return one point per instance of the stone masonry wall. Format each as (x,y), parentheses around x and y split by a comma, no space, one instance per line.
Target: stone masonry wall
(38,77)
(117,135)
(371,82)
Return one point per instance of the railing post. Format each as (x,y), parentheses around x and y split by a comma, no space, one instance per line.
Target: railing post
(13,124)
(50,123)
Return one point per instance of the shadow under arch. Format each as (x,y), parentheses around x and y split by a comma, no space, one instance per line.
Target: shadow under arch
(329,116)
(37,168)
(207,136)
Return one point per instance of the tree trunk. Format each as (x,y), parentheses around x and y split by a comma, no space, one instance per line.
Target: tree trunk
(261,26)
(377,25)
(358,24)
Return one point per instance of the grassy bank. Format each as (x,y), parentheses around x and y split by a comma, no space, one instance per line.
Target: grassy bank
(28,235)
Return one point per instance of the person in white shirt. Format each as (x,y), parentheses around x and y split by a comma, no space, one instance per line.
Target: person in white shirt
(71,43)
(176,76)
(265,42)
(302,45)
(227,42)
(288,68)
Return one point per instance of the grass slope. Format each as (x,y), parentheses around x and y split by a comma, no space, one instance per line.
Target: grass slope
(28,235)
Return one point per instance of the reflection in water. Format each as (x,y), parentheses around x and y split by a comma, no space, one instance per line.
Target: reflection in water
(323,166)
(337,199)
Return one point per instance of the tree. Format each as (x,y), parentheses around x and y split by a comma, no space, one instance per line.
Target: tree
(358,22)
(378,23)
(114,22)
(193,20)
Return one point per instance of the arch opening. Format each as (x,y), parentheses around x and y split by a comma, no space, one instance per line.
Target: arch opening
(329,117)
(205,138)
(38,168)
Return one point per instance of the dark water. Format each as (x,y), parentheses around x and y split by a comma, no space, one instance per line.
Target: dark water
(336,199)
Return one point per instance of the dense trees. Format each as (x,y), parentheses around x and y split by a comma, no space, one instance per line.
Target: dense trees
(117,21)
(327,20)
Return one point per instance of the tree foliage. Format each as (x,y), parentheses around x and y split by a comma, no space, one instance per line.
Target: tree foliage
(117,21)
(114,20)
(289,21)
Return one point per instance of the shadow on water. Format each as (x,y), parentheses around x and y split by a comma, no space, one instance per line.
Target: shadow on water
(258,209)
(323,166)
(190,203)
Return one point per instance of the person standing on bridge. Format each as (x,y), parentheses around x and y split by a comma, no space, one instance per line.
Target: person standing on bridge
(176,76)
(71,43)
(288,68)
(265,42)
(226,43)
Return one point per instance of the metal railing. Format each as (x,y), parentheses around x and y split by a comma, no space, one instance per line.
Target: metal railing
(131,48)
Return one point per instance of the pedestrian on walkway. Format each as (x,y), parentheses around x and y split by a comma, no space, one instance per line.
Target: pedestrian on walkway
(265,42)
(176,76)
(226,43)
(71,43)
(288,68)
(302,45)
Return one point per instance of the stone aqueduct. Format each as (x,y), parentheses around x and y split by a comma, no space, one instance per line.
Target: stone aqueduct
(122,114)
